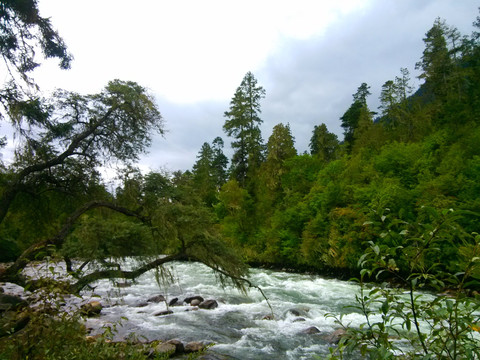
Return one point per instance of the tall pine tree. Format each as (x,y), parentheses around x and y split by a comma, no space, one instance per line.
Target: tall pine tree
(243,124)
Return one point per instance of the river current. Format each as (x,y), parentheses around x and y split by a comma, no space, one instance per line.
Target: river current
(237,326)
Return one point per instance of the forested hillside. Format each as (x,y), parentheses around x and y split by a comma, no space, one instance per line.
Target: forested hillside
(396,170)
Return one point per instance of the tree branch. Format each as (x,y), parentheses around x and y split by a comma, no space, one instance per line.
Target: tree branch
(115,274)
(13,273)
(10,193)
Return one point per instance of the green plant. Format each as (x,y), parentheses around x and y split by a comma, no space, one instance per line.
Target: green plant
(415,321)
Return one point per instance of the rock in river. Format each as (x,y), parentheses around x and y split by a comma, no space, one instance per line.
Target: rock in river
(156,299)
(208,304)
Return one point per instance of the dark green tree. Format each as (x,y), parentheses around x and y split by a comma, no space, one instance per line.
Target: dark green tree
(358,110)
(81,132)
(22,33)
(436,63)
(323,143)
(395,105)
(280,147)
(219,163)
(203,174)
(243,124)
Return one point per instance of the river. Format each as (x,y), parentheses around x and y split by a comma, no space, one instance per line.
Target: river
(236,326)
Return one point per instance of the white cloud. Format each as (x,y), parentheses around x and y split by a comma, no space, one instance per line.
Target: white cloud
(309,55)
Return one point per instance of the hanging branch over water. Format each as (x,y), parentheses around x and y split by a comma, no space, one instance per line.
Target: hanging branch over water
(13,272)
(239,282)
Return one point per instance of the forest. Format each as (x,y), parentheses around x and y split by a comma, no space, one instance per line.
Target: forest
(397,167)
(403,185)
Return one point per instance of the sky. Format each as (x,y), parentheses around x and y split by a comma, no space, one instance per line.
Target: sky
(309,56)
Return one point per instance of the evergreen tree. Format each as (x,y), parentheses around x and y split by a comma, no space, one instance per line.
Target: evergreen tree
(323,143)
(394,104)
(219,162)
(280,147)
(242,124)
(436,63)
(356,111)
(203,176)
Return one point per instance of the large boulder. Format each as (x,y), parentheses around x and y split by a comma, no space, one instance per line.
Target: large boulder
(194,346)
(93,308)
(179,347)
(164,349)
(195,302)
(11,302)
(208,304)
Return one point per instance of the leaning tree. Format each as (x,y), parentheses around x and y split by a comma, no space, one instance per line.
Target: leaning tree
(61,141)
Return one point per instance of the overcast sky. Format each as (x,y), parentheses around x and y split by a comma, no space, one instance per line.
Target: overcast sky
(310,57)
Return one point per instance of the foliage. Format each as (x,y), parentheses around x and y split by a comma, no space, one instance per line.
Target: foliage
(324,143)
(309,210)
(22,33)
(412,324)
(53,333)
(243,123)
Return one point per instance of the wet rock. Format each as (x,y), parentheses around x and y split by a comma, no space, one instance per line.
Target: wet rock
(195,302)
(179,347)
(156,299)
(142,304)
(189,300)
(163,313)
(13,321)
(311,330)
(335,336)
(165,349)
(294,312)
(173,302)
(92,308)
(302,312)
(194,308)
(299,319)
(11,302)
(194,346)
(267,317)
(208,304)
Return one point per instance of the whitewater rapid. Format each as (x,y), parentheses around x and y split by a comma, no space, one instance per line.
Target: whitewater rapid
(237,327)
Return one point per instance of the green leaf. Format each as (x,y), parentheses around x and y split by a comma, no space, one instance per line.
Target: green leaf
(385,307)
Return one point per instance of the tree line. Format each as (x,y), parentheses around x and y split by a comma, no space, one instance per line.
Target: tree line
(267,204)
(417,154)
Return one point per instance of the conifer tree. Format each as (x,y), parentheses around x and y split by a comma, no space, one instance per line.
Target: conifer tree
(358,110)
(243,124)
(219,162)
(323,143)
(280,147)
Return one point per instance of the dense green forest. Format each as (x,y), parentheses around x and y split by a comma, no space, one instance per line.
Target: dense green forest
(418,152)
